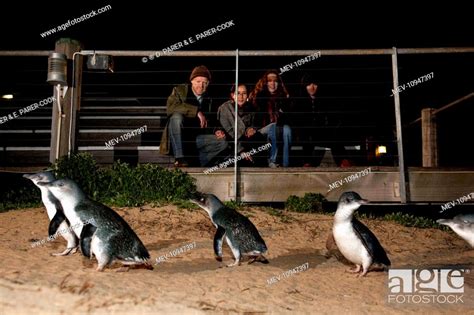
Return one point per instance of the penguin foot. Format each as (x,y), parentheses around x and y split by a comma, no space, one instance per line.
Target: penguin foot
(235,263)
(142,266)
(259,258)
(123,269)
(362,274)
(67,251)
(354,270)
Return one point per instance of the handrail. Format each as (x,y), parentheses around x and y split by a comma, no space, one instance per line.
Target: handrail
(459,100)
(244,53)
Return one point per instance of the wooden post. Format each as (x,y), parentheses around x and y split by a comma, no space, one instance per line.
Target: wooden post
(69,104)
(429,137)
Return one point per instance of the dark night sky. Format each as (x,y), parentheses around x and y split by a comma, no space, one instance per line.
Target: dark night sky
(354,84)
(297,25)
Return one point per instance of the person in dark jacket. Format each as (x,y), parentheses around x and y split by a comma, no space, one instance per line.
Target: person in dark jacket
(316,124)
(189,111)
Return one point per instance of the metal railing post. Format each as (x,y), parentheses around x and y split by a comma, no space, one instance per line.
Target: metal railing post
(404,187)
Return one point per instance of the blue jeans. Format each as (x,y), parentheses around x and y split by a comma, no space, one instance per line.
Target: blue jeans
(175,125)
(209,147)
(271,131)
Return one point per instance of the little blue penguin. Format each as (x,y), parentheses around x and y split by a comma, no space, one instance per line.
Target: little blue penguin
(241,235)
(102,232)
(58,221)
(462,225)
(355,241)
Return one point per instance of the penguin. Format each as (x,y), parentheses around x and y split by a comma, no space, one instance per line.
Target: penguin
(354,240)
(332,250)
(102,232)
(462,225)
(241,235)
(58,221)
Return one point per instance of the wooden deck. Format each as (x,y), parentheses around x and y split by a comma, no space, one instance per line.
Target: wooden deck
(380,185)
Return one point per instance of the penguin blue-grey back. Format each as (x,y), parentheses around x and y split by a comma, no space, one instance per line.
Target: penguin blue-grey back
(102,231)
(240,233)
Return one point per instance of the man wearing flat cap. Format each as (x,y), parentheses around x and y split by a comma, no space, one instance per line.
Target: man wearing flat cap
(188,109)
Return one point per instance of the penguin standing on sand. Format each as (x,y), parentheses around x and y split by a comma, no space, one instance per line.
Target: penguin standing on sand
(354,240)
(58,221)
(241,235)
(462,225)
(102,232)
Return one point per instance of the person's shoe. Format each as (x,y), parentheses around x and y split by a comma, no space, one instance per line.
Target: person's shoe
(180,162)
(346,163)
(273,165)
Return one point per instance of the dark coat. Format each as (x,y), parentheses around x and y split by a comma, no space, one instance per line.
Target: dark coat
(182,101)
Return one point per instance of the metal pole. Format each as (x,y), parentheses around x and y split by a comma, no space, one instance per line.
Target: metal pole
(236,93)
(404,197)
(256,53)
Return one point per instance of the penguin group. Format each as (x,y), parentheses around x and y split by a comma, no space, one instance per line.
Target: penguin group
(102,233)
(99,231)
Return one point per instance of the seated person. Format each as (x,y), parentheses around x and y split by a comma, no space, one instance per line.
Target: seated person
(317,126)
(247,134)
(188,108)
(271,101)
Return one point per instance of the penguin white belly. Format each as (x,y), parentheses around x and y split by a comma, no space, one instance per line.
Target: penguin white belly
(74,220)
(465,232)
(349,243)
(50,208)
(67,234)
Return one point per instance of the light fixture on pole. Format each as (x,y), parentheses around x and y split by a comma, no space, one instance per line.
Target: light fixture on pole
(57,76)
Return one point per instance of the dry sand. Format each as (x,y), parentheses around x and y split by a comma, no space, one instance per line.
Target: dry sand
(33,282)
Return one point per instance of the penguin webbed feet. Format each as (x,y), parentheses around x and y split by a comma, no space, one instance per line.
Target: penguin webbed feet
(68,251)
(259,258)
(356,269)
(235,263)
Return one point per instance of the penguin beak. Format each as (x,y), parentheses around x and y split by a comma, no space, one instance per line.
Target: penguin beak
(197,202)
(197,198)
(27,176)
(46,184)
(363,201)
